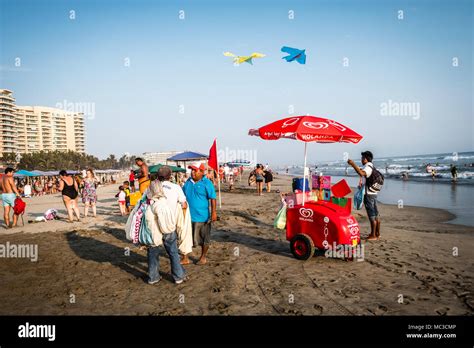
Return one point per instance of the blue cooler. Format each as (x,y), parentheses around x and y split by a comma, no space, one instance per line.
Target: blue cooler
(298,185)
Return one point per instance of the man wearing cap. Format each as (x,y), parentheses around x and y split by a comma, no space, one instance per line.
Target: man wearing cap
(174,195)
(199,190)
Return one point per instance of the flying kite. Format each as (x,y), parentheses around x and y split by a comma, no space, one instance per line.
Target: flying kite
(294,54)
(241,59)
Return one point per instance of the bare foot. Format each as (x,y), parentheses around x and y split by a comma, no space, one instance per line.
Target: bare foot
(370,237)
(202,261)
(185,261)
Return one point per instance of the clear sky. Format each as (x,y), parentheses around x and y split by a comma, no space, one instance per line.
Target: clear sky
(177,65)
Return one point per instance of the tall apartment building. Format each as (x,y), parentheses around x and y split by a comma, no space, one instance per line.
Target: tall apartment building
(7,122)
(26,129)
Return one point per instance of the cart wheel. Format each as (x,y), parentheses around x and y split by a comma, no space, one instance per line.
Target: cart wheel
(302,246)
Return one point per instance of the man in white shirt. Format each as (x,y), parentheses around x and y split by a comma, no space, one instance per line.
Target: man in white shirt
(173,192)
(370,197)
(174,196)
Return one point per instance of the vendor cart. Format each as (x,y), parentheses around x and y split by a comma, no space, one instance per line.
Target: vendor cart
(319,225)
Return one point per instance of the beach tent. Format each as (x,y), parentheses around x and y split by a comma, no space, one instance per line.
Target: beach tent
(307,129)
(22,173)
(174,169)
(187,156)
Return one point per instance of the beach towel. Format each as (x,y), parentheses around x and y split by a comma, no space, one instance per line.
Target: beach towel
(145,236)
(184,230)
(359,198)
(132,227)
(159,219)
(280,220)
(131,221)
(152,223)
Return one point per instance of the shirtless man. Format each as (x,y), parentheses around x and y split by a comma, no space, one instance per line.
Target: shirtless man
(10,192)
(143,175)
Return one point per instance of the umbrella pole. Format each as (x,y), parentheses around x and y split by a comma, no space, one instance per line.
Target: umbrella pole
(304,171)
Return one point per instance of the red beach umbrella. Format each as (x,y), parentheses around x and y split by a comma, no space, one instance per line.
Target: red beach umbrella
(307,129)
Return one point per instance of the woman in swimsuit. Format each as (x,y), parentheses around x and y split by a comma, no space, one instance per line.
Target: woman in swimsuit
(259,179)
(69,189)
(89,193)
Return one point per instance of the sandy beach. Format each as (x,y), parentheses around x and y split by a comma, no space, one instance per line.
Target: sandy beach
(84,268)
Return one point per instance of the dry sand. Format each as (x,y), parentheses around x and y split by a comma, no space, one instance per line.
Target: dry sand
(83,267)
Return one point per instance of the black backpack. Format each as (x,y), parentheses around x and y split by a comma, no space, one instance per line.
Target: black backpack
(375,181)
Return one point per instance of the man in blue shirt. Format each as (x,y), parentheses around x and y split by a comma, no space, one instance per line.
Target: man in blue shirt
(199,190)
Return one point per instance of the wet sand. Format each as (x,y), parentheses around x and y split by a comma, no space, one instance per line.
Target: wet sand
(84,268)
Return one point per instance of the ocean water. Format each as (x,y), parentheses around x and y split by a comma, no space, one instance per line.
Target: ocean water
(414,166)
(419,190)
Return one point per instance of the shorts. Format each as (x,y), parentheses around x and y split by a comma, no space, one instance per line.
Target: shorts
(370,202)
(201,233)
(259,178)
(8,199)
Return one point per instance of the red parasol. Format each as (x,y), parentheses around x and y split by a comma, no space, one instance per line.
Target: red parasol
(307,129)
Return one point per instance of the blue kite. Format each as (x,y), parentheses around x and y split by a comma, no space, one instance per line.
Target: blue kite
(294,54)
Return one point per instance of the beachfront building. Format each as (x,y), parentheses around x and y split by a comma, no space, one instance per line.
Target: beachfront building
(152,158)
(26,129)
(8,133)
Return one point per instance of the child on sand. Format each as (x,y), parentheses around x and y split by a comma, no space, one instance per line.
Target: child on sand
(121,200)
(126,188)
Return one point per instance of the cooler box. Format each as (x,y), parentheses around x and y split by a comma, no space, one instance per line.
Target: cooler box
(321,182)
(298,185)
(345,203)
(340,189)
(299,197)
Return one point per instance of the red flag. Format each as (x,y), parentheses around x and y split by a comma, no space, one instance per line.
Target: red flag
(212,162)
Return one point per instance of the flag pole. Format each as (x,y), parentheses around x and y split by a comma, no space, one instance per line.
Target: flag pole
(218,178)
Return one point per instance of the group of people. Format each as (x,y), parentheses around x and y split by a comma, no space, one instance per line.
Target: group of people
(261,175)
(198,195)
(41,185)
(70,186)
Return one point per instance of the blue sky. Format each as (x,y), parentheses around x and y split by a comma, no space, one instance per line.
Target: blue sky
(176,62)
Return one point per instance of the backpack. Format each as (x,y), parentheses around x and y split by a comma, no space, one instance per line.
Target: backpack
(19,206)
(375,181)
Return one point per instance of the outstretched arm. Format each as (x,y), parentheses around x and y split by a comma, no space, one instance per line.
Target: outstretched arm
(356,168)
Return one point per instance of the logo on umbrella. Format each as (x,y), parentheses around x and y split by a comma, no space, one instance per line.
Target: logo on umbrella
(315,125)
(290,122)
(337,125)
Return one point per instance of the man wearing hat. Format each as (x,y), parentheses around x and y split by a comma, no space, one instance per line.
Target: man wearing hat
(199,190)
